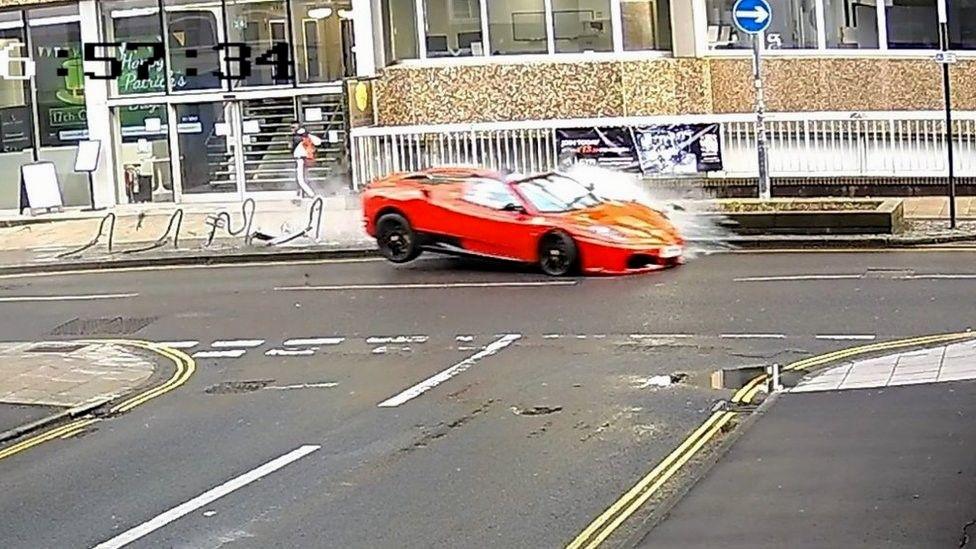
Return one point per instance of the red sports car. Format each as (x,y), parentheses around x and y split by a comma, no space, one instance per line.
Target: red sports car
(547,219)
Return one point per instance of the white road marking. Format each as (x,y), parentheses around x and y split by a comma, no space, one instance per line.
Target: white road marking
(431,382)
(397,339)
(313,342)
(324,385)
(379,350)
(661,336)
(247,343)
(551,336)
(753,336)
(465,338)
(839,337)
(799,277)
(191,267)
(86,297)
(939,277)
(206,498)
(232,353)
(290,352)
(179,344)
(425,286)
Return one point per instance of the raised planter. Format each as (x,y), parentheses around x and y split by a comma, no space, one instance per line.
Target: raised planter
(814,215)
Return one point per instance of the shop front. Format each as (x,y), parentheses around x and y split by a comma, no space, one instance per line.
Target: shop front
(192,100)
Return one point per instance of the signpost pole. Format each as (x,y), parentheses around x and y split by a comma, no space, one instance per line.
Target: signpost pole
(947,93)
(765,192)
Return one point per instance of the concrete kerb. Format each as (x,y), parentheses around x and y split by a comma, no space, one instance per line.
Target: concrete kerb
(71,413)
(191,259)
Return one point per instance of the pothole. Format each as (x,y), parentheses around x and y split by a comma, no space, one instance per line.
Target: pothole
(536,410)
(238,387)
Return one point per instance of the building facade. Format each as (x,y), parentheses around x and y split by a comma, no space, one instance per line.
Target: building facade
(195,100)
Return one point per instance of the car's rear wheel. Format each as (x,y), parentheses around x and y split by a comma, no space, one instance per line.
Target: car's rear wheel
(396,239)
(557,254)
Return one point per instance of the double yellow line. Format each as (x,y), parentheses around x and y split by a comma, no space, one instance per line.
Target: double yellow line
(604,525)
(185,366)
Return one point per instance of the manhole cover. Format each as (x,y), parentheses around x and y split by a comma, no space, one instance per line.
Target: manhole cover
(55,347)
(102,326)
(238,387)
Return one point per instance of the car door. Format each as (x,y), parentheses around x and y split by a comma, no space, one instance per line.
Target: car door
(490,224)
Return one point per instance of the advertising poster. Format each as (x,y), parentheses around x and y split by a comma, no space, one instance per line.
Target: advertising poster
(673,149)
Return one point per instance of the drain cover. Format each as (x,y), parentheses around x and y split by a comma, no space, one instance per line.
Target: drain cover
(119,325)
(238,387)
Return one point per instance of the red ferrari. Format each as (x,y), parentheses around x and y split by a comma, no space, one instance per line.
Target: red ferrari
(548,219)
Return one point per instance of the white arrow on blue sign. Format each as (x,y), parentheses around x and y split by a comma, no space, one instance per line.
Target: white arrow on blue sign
(752,16)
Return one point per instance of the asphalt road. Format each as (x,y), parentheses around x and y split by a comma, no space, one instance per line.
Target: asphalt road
(520,448)
(855,468)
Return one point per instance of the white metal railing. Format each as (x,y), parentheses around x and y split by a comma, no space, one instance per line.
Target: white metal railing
(823,144)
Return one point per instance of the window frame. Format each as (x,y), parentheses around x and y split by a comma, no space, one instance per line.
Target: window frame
(472,182)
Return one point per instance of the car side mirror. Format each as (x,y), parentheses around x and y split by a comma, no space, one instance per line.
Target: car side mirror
(513,208)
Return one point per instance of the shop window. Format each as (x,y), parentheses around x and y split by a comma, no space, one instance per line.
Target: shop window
(60,78)
(582,25)
(144,153)
(517,27)
(646,24)
(323,40)
(453,28)
(912,24)
(962,31)
(257,23)
(134,22)
(16,123)
(851,24)
(194,28)
(794,25)
(399,30)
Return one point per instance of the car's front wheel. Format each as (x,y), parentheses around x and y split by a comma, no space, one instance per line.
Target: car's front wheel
(557,254)
(396,239)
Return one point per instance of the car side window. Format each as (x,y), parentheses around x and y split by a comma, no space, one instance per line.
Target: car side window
(489,193)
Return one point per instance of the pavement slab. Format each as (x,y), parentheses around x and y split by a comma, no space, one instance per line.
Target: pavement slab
(68,374)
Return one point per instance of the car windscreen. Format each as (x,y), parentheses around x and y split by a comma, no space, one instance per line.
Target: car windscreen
(554,193)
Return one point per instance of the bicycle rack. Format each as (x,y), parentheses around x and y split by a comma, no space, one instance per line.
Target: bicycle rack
(222,220)
(314,222)
(175,222)
(110,218)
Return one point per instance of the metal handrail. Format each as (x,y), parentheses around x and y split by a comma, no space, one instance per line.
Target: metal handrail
(223,220)
(109,217)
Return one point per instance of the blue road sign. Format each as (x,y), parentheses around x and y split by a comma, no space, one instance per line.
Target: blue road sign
(752,16)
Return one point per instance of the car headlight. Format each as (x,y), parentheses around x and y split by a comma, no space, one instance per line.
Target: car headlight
(607,232)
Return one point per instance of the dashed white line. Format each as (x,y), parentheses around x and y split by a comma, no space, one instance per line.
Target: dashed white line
(290,352)
(313,342)
(87,297)
(753,336)
(179,344)
(849,337)
(431,382)
(799,277)
(236,343)
(426,286)
(231,353)
(397,339)
(661,336)
(206,498)
(551,336)
(464,338)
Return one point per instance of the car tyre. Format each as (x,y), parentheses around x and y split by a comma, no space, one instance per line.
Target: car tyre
(557,254)
(396,239)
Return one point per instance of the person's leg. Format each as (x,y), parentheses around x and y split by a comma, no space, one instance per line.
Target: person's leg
(304,188)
